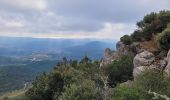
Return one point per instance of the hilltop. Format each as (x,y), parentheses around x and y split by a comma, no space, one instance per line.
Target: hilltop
(137,70)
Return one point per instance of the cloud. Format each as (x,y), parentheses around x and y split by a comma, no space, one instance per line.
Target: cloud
(25,4)
(74,18)
(109,31)
(10,24)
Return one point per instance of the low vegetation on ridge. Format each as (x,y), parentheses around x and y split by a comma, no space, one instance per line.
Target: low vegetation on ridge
(87,80)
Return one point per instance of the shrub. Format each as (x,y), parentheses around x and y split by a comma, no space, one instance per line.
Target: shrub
(126,39)
(75,76)
(137,35)
(154,81)
(45,86)
(152,23)
(164,39)
(85,91)
(120,71)
(126,92)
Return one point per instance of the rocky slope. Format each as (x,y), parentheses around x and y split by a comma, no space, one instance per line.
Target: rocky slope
(144,58)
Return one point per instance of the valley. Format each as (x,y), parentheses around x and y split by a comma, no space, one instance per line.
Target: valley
(23,59)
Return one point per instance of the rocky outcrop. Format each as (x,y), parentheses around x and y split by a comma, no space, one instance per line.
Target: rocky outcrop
(143,61)
(108,57)
(124,50)
(168,56)
(167,69)
(121,50)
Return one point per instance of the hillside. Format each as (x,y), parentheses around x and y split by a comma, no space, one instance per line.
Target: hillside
(138,70)
(18,68)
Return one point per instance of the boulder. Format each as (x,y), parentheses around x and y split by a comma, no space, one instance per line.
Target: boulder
(138,70)
(142,61)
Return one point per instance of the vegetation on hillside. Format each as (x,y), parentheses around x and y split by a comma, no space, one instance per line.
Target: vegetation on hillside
(153,24)
(150,25)
(16,73)
(86,80)
(164,39)
(79,81)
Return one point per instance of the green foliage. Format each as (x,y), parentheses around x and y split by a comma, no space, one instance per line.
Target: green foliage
(149,80)
(85,91)
(15,72)
(126,39)
(120,71)
(152,23)
(126,92)
(45,87)
(64,78)
(164,39)
(154,81)
(136,36)
(85,60)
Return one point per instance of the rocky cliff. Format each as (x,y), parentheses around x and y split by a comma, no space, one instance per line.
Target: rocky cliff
(121,50)
(143,58)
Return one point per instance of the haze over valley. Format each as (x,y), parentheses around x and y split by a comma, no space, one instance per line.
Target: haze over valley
(22,59)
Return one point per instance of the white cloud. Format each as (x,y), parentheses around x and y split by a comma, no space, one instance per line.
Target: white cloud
(110,31)
(14,24)
(74,18)
(26,4)
(10,24)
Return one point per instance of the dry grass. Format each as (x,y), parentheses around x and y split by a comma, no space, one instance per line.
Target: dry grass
(13,94)
(151,46)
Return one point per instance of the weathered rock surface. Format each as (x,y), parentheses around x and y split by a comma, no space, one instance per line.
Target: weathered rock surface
(168,56)
(121,50)
(167,69)
(108,57)
(142,61)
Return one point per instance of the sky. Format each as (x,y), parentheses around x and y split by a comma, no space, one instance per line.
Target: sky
(99,19)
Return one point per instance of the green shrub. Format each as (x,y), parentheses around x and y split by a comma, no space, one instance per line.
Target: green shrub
(51,86)
(120,71)
(126,92)
(126,39)
(85,91)
(45,86)
(154,81)
(152,23)
(136,36)
(164,39)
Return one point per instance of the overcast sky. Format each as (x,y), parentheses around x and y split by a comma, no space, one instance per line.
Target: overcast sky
(101,19)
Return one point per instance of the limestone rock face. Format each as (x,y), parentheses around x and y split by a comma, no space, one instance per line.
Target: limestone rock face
(125,50)
(142,61)
(108,57)
(167,69)
(108,53)
(168,56)
(121,50)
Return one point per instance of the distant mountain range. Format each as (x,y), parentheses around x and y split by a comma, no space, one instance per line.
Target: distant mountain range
(22,59)
(72,48)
